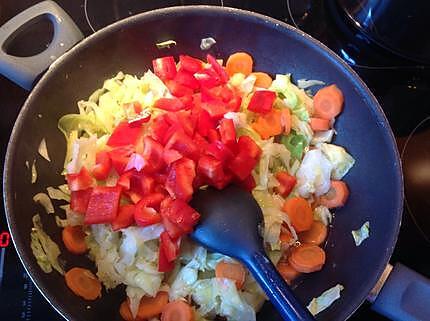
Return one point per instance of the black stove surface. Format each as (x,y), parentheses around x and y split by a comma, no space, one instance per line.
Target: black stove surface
(400,86)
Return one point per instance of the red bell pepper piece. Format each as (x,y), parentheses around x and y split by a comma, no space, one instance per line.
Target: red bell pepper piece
(164,67)
(169,104)
(159,128)
(286,183)
(220,151)
(103,165)
(227,132)
(262,101)
(242,165)
(120,157)
(103,205)
(218,68)
(207,78)
(213,135)
(247,145)
(205,122)
(178,90)
(124,180)
(80,181)
(169,246)
(124,134)
(79,200)
(171,155)
(125,217)
(178,212)
(153,155)
(186,79)
(173,230)
(190,64)
(163,264)
(133,196)
(234,103)
(145,216)
(211,168)
(142,183)
(247,184)
(179,182)
(153,200)
(182,119)
(215,108)
(183,144)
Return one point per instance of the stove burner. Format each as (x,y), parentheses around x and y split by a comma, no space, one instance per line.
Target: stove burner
(416,169)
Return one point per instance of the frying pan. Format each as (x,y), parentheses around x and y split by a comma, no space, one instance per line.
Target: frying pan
(375,180)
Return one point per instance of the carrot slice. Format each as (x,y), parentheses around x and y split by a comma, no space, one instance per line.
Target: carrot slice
(83,283)
(307,258)
(125,312)
(328,102)
(318,124)
(336,196)
(285,237)
(269,125)
(315,235)
(263,80)
(177,311)
(300,213)
(74,239)
(286,120)
(232,271)
(239,62)
(150,307)
(287,272)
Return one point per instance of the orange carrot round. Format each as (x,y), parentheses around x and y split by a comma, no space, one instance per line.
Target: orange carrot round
(318,124)
(177,311)
(336,196)
(307,258)
(83,283)
(124,311)
(150,307)
(74,239)
(263,80)
(328,102)
(239,62)
(269,125)
(300,213)
(315,235)
(232,271)
(287,272)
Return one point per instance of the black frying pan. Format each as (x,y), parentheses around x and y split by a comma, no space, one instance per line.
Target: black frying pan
(375,181)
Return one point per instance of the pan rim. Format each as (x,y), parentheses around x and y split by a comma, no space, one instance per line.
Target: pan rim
(196,9)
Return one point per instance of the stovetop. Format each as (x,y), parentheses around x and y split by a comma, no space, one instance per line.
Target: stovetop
(400,86)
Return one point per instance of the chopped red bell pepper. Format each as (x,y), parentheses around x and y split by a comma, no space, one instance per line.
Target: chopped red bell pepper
(142,183)
(163,264)
(227,133)
(220,151)
(171,155)
(145,216)
(221,183)
(218,68)
(262,101)
(153,155)
(180,214)
(173,230)
(213,135)
(164,67)
(153,200)
(80,181)
(133,196)
(120,157)
(216,108)
(205,122)
(242,165)
(234,104)
(207,78)
(182,119)
(186,78)
(178,90)
(125,217)
(169,104)
(247,145)
(124,180)
(159,128)
(247,184)
(169,246)
(79,200)
(286,183)
(183,144)
(124,134)
(179,182)
(103,165)
(103,205)
(211,168)
(190,64)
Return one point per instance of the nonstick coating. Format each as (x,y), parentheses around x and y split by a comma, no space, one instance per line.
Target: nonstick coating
(129,46)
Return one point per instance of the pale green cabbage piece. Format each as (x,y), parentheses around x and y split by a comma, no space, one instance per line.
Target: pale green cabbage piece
(322,214)
(361,234)
(83,154)
(33,172)
(325,299)
(44,200)
(57,194)
(341,161)
(43,150)
(306,83)
(45,250)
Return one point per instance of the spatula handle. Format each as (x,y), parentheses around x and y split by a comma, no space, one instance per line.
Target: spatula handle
(276,289)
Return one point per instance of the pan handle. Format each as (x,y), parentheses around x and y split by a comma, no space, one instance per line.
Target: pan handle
(404,296)
(24,70)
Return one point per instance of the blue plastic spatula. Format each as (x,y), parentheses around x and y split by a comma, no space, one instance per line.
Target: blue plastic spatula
(229,224)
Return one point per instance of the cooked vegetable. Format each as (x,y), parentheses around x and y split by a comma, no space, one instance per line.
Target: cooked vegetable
(361,234)
(325,299)
(45,201)
(307,258)
(83,283)
(165,44)
(207,43)
(336,196)
(328,102)
(315,235)
(232,271)
(74,239)
(299,212)
(177,311)
(57,194)
(319,124)
(33,172)
(43,150)
(341,161)
(287,272)
(263,80)
(239,62)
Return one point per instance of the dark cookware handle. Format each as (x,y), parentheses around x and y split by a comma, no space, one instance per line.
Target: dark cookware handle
(24,70)
(405,296)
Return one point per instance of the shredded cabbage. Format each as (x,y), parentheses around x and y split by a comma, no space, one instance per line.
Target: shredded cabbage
(83,154)
(303,83)
(45,201)
(33,172)
(325,299)
(57,194)
(361,234)
(43,150)
(322,214)
(45,250)
(165,44)
(207,43)
(339,158)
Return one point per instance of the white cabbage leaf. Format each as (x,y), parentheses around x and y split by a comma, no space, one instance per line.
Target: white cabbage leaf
(341,161)
(326,299)
(361,234)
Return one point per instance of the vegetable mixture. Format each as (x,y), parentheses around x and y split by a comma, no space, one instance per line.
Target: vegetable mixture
(140,147)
